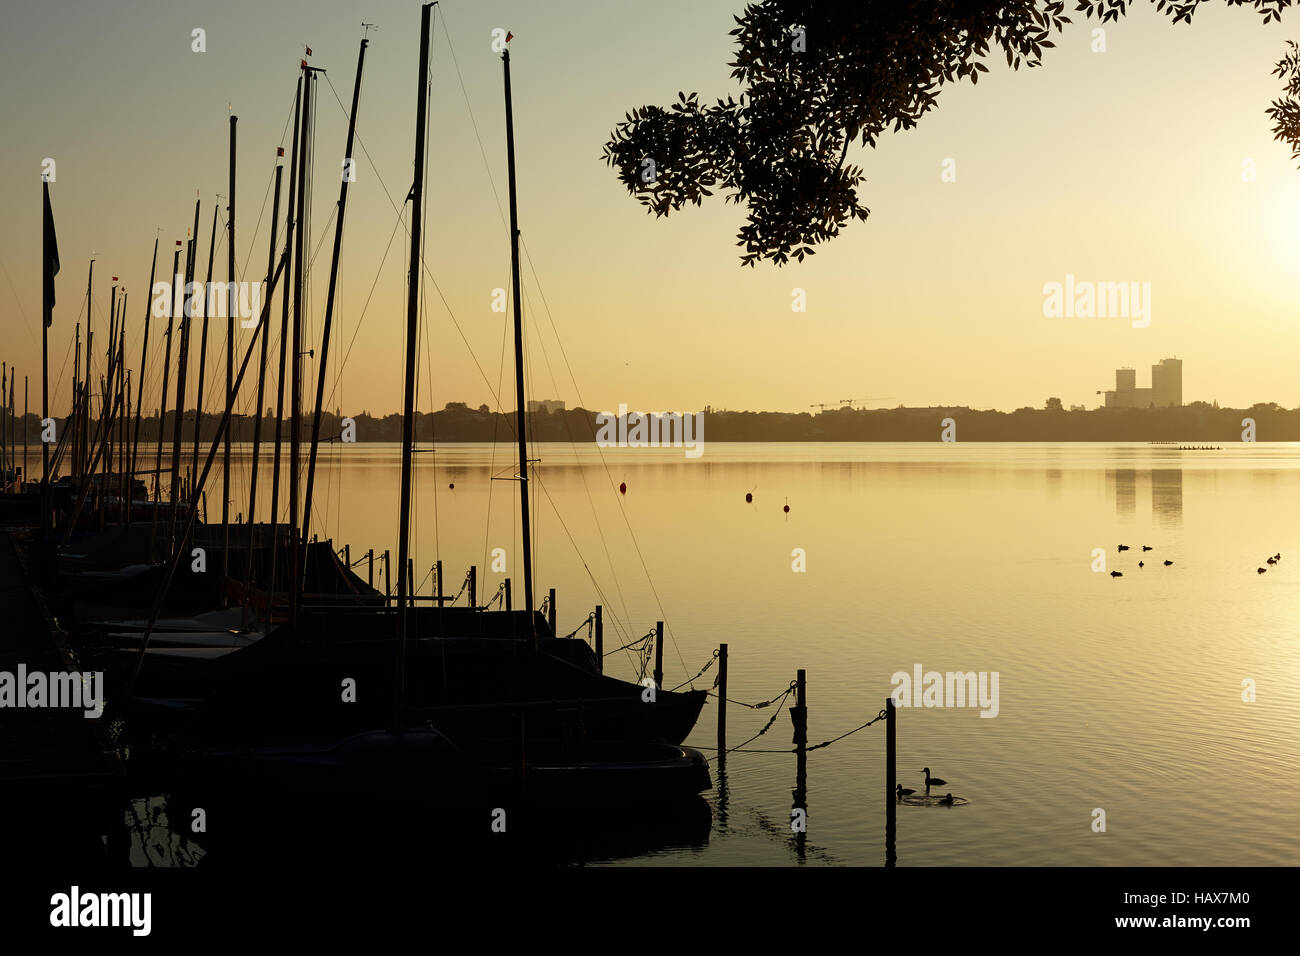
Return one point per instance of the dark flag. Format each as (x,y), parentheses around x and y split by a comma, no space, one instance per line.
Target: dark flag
(51,257)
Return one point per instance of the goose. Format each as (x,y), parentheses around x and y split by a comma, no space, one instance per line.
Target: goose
(946,801)
(1167,563)
(1270,561)
(1147,547)
(1261,570)
(1117,574)
(904,792)
(1123,547)
(932,780)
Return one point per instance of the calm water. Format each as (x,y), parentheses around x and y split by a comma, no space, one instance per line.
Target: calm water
(1117,693)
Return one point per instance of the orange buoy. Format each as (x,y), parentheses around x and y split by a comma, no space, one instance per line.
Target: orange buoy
(749,498)
(622,488)
(452,485)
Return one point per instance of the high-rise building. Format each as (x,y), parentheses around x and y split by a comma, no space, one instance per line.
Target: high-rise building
(1167,382)
(1166,387)
(551,405)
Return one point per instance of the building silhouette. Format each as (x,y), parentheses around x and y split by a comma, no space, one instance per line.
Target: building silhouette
(546,405)
(1166,387)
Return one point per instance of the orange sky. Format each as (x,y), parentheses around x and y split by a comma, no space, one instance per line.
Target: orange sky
(1122,166)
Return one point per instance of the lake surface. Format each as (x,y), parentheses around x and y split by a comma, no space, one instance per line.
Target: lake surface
(1119,693)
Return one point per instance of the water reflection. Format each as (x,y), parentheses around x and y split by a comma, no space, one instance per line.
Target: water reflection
(1122,485)
(1166,493)
(262,830)
(1167,496)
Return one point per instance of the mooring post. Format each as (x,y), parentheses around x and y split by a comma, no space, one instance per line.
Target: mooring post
(509,606)
(891,784)
(722,700)
(410,576)
(370,567)
(799,713)
(550,609)
(437,572)
(659,654)
(347,553)
(473,588)
(600,639)
(388,576)
(799,717)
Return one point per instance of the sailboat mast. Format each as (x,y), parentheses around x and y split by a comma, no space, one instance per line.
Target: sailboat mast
(49,253)
(408,396)
(286,259)
(329,299)
(106,420)
(182,364)
(203,343)
(519,355)
(144,355)
(162,401)
(295,390)
(123,408)
(88,381)
(76,405)
(261,397)
(231,299)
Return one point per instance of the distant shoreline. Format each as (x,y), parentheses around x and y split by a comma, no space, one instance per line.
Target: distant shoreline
(1197,423)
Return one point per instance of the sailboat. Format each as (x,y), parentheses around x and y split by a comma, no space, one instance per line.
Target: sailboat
(431,694)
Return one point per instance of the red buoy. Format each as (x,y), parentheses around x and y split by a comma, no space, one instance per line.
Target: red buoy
(622,487)
(787,509)
(453,485)
(749,498)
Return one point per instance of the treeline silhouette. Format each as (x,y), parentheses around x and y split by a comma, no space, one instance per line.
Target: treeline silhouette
(458,422)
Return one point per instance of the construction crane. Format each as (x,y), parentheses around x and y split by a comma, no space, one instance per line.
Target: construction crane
(848,402)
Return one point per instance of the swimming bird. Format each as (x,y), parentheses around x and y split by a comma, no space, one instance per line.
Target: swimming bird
(1261,570)
(904,792)
(1270,561)
(931,780)
(1117,574)
(1123,547)
(1147,547)
(1142,564)
(1167,563)
(946,801)
(1278,556)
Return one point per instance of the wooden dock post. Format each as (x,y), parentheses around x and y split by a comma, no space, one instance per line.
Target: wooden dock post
(600,639)
(410,582)
(437,573)
(799,713)
(370,567)
(347,552)
(550,610)
(473,588)
(388,575)
(509,607)
(722,700)
(799,717)
(659,654)
(891,781)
